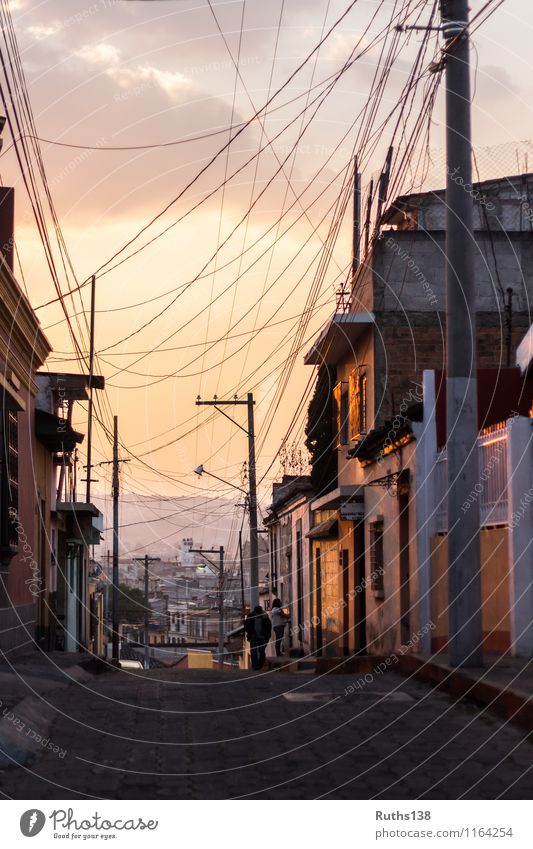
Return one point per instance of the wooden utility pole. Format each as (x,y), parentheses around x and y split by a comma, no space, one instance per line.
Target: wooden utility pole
(464,576)
(368,215)
(115,540)
(356,224)
(383,189)
(90,410)
(252,506)
(221,608)
(146,560)
(252,485)
(146,616)
(220,570)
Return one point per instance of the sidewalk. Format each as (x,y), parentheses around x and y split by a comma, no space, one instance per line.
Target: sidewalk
(504,684)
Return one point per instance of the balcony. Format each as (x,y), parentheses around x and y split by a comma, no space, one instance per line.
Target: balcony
(339,337)
(83,522)
(491,491)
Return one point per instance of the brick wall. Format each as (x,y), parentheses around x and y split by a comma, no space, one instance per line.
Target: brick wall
(403,352)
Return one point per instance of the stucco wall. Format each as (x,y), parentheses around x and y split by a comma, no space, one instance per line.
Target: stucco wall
(494,590)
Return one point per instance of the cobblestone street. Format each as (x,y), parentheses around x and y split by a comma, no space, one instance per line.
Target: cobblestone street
(206,734)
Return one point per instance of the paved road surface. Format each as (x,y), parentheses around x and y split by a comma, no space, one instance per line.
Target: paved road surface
(199,734)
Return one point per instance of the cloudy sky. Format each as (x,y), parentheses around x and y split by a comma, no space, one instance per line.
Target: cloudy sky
(127,73)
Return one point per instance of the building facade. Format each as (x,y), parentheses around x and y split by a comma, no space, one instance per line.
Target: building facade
(24,472)
(365,558)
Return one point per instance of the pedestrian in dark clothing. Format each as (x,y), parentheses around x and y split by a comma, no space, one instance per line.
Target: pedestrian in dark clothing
(258,630)
(279,620)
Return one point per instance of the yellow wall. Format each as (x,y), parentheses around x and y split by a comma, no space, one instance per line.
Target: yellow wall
(494,590)
(199,660)
(332,611)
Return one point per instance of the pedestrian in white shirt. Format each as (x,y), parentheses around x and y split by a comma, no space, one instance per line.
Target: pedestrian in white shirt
(279,620)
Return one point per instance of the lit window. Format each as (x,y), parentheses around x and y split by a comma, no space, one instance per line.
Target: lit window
(357,403)
(340,397)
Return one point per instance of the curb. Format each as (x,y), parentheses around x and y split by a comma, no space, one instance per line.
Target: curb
(349,665)
(512,705)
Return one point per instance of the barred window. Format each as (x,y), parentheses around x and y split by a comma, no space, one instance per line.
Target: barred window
(377,563)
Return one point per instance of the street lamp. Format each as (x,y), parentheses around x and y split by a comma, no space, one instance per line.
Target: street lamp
(201,471)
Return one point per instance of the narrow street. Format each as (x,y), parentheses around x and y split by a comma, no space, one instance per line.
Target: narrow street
(266,431)
(205,734)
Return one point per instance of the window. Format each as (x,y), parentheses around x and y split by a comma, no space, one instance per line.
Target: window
(9,483)
(362,403)
(273,559)
(340,397)
(357,403)
(376,559)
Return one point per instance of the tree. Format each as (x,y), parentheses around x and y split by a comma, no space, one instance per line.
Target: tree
(131,604)
(320,432)
(294,461)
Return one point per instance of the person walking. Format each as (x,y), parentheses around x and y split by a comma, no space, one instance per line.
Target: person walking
(258,629)
(279,620)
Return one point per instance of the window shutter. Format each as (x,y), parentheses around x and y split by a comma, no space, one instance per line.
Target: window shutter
(362,403)
(344,417)
(337,400)
(353,388)
(376,559)
(340,397)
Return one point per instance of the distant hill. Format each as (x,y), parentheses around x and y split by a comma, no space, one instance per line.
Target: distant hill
(157,525)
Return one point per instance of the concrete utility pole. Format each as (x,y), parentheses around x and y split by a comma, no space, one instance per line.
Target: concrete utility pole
(252,503)
(252,490)
(241,565)
(464,577)
(146,560)
(115,622)
(220,552)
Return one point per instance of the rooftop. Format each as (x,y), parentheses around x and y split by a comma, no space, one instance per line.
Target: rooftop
(498,205)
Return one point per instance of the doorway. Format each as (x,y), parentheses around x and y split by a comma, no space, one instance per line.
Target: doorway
(405,605)
(359,600)
(318,614)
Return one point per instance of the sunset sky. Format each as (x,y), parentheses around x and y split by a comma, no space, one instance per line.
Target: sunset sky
(127,73)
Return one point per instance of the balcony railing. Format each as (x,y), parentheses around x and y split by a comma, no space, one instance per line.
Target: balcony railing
(490,491)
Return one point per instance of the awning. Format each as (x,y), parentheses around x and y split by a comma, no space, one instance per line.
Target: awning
(335,498)
(338,337)
(325,530)
(68,387)
(84,521)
